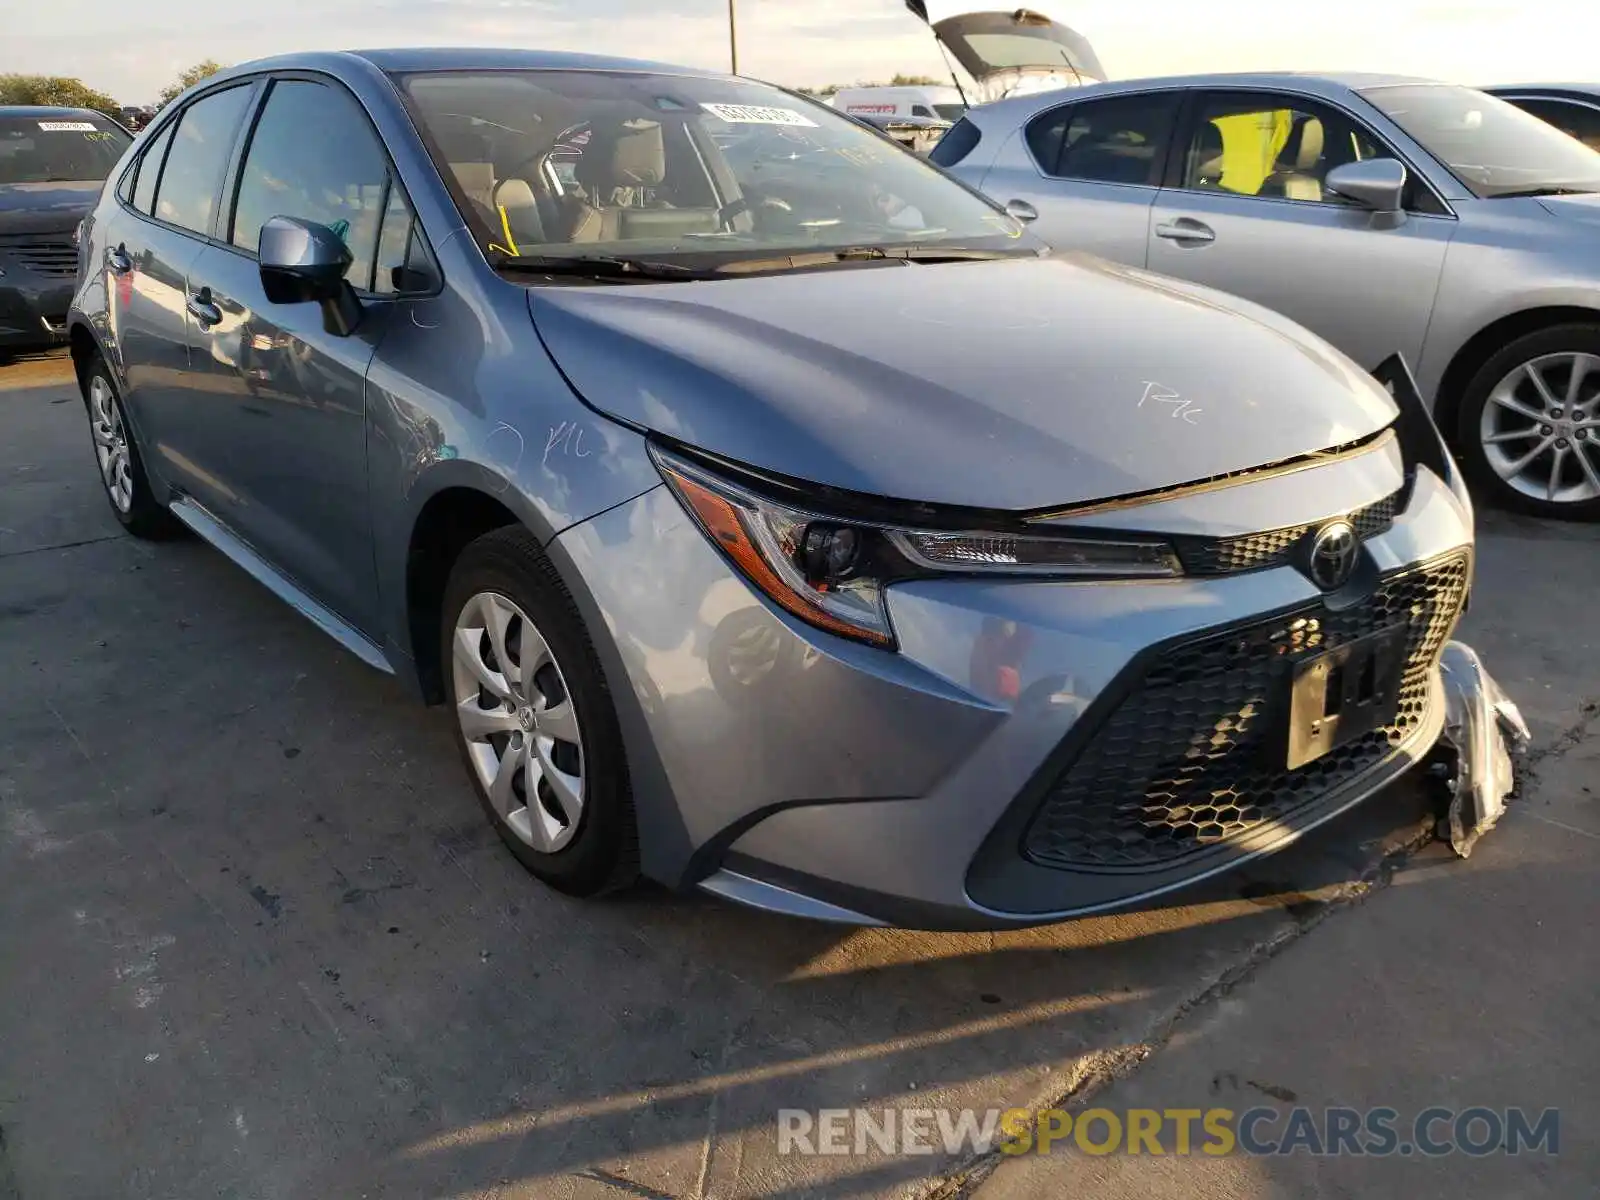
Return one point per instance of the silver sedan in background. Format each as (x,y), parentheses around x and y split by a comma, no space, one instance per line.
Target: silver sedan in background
(1386,214)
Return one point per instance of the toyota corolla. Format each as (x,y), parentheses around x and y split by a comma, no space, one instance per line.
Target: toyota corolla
(768,512)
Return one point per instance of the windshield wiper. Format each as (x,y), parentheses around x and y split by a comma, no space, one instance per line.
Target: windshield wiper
(1543,191)
(802,260)
(933,254)
(598,266)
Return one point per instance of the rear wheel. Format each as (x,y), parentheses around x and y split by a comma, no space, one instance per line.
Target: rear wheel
(117,455)
(1529,428)
(534,719)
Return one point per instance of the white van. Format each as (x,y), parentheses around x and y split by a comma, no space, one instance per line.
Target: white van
(942,103)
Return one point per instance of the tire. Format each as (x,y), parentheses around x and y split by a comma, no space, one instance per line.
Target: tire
(503,589)
(1504,398)
(120,463)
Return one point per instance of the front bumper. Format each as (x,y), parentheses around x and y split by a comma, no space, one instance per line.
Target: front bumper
(38,277)
(788,769)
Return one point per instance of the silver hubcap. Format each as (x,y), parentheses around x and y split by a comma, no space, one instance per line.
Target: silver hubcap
(517,718)
(1541,428)
(110,444)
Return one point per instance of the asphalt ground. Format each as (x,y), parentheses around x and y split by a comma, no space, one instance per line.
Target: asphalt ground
(256,939)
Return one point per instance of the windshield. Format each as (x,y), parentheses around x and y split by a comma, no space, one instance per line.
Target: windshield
(59,149)
(591,164)
(951,112)
(1494,148)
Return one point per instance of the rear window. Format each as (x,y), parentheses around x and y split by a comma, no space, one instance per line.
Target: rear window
(76,148)
(961,140)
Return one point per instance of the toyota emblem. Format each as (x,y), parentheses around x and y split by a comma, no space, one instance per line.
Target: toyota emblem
(1333,555)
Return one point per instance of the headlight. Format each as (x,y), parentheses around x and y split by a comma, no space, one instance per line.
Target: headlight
(831,570)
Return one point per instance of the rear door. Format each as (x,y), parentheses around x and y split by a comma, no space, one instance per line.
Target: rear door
(175,192)
(1248,213)
(287,395)
(1092,169)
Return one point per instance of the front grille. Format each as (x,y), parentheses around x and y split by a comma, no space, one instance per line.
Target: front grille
(48,254)
(1195,754)
(1275,547)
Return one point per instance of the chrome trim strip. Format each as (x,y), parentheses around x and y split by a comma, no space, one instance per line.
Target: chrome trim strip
(280,585)
(769,897)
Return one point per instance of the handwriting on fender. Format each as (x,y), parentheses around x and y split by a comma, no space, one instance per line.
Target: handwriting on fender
(1180,408)
(565,438)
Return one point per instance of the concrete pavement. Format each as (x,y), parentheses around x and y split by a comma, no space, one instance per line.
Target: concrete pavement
(256,940)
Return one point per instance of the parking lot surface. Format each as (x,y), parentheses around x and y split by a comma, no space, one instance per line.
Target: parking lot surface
(257,940)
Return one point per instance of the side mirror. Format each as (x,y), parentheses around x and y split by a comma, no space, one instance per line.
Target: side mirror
(1021,210)
(1378,184)
(302,261)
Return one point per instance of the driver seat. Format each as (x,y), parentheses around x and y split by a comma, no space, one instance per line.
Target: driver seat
(620,175)
(1300,167)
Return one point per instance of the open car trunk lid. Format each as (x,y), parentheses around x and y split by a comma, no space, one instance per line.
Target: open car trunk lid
(1011,52)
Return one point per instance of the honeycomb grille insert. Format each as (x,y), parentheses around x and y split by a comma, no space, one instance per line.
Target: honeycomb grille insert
(1275,547)
(1195,754)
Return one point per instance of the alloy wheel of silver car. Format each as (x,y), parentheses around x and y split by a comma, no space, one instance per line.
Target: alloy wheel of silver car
(1541,428)
(111,444)
(518,722)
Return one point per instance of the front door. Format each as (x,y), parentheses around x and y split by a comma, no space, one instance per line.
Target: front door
(291,395)
(1250,215)
(1091,171)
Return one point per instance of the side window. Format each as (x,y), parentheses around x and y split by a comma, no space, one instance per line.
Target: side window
(314,155)
(1122,139)
(921,110)
(197,159)
(1275,146)
(403,262)
(144,188)
(1044,134)
(1575,120)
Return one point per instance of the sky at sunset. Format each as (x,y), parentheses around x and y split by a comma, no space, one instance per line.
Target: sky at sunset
(137,47)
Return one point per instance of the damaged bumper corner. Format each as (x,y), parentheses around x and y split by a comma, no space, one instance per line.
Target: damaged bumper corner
(1484,734)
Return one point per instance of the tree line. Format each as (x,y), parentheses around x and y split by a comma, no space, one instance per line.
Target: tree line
(822,93)
(64,92)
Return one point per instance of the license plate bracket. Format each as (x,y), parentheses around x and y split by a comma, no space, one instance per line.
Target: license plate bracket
(1341,694)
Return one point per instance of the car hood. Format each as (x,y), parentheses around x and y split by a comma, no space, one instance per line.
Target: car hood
(1014,384)
(45,207)
(1585,208)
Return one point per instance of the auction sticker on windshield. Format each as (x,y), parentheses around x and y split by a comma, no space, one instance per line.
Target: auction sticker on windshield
(757,114)
(67,126)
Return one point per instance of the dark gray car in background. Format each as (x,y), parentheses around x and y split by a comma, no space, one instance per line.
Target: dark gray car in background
(769,512)
(53,162)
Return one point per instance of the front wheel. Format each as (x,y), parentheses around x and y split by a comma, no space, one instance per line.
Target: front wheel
(1529,429)
(534,719)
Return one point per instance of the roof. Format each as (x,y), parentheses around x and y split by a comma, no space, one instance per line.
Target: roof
(1591,90)
(48,110)
(1329,83)
(452,58)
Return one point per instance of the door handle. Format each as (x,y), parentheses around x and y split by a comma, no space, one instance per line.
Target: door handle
(118,261)
(1184,229)
(1021,210)
(202,309)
